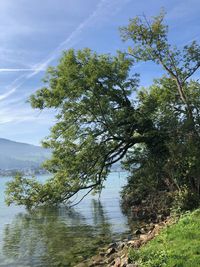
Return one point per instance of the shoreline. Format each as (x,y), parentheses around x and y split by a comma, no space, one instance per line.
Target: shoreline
(116,253)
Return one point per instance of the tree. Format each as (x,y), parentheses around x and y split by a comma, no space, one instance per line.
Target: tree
(174,165)
(97,124)
(103,117)
(150,43)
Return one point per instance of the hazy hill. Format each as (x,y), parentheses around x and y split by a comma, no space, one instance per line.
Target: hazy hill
(15,155)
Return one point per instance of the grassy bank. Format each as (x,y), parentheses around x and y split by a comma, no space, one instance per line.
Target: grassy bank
(176,246)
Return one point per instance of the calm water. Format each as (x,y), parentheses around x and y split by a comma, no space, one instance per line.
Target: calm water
(60,237)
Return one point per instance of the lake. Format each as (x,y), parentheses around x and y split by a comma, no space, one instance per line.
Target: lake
(60,236)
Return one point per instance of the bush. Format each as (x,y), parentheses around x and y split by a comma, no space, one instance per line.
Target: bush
(185,199)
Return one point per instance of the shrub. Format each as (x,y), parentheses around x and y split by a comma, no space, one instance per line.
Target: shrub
(185,199)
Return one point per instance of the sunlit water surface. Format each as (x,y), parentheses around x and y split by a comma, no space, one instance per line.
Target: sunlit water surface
(61,237)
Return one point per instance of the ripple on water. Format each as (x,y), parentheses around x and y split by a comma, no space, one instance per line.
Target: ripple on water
(60,237)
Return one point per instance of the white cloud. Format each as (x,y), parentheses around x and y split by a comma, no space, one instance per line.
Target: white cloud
(21,113)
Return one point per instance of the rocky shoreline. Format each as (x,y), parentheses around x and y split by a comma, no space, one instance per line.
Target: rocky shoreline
(116,254)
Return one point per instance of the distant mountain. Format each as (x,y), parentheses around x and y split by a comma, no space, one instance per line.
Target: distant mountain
(21,156)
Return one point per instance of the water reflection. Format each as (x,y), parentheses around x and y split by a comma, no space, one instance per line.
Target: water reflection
(54,237)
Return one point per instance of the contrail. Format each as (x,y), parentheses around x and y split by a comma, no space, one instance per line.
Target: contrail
(109,8)
(17,70)
(7,94)
(71,38)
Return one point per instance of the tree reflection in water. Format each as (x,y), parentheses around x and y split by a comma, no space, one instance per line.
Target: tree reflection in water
(55,237)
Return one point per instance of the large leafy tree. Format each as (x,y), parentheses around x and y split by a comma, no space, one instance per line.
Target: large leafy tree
(99,123)
(150,43)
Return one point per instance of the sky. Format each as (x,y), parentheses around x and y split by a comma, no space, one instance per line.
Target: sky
(33,34)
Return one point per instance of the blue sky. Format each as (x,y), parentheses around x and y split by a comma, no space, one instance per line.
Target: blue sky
(33,34)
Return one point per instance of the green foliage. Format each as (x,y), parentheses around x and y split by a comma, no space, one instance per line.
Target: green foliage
(184,200)
(22,191)
(145,175)
(157,135)
(96,123)
(177,245)
(177,101)
(172,161)
(150,42)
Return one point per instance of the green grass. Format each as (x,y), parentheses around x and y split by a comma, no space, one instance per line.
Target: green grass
(176,246)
